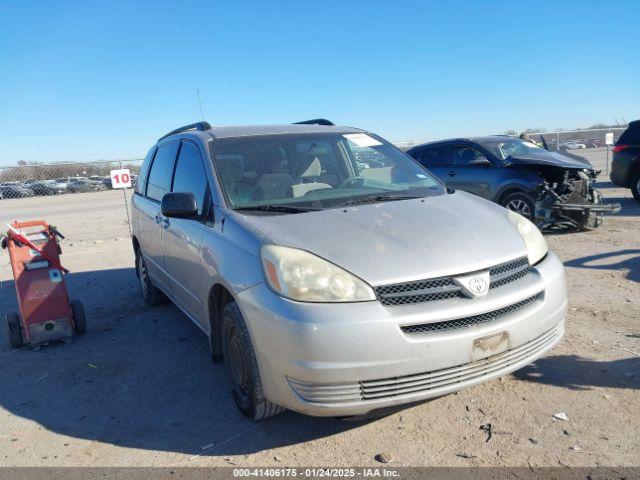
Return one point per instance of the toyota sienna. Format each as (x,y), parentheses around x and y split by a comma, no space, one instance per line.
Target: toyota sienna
(334,275)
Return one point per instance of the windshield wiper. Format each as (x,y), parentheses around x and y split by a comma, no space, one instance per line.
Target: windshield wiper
(277,208)
(376,199)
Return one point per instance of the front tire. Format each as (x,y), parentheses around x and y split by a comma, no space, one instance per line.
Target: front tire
(521,203)
(151,294)
(242,367)
(14,331)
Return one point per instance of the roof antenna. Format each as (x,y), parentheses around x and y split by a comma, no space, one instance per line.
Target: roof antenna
(200,104)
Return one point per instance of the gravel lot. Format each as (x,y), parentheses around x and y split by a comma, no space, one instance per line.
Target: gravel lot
(139,390)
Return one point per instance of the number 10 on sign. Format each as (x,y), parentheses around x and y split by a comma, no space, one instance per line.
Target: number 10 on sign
(120,178)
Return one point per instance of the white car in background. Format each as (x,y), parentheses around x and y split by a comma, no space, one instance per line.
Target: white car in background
(572,146)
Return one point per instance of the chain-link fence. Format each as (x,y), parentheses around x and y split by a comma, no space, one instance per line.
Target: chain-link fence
(39,180)
(577,139)
(555,140)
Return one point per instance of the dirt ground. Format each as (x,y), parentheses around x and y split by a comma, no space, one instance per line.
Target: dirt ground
(138,389)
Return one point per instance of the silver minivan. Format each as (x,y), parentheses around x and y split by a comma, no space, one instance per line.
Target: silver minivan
(332,273)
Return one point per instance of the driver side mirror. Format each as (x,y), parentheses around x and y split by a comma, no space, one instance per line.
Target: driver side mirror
(480,162)
(179,205)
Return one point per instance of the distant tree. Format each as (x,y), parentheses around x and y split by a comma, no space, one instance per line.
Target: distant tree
(515,133)
(604,125)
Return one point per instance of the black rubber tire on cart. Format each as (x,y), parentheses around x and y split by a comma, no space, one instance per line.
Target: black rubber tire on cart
(521,203)
(14,330)
(635,185)
(79,317)
(242,367)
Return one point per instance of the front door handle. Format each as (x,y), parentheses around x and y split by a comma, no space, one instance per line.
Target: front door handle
(158,219)
(452,173)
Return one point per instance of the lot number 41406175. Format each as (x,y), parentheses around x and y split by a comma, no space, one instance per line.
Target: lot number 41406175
(120,178)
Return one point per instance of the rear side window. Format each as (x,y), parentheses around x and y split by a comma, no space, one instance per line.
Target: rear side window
(433,156)
(631,136)
(190,175)
(467,155)
(160,174)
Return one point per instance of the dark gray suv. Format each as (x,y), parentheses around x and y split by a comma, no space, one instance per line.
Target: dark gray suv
(550,188)
(625,167)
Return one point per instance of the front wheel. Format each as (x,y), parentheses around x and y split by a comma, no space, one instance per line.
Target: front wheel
(520,203)
(14,331)
(242,367)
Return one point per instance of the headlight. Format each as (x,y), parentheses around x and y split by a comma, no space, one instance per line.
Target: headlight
(533,239)
(302,276)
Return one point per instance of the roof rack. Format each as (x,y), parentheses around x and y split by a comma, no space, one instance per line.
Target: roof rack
(200,126)
(316,121)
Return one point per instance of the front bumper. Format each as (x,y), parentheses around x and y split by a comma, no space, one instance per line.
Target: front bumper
(349,359)
(583,211)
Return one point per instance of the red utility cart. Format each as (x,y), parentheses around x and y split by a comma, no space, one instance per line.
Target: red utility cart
(45,311)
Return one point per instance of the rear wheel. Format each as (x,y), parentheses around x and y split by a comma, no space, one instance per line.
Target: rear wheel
(242,367)
(14,331)
(521,203)
(79,317)
(635,185)
(150,293)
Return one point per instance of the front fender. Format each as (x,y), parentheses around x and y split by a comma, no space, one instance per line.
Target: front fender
(517,185)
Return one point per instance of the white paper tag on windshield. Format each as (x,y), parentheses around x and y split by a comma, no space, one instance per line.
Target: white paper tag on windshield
(362,139)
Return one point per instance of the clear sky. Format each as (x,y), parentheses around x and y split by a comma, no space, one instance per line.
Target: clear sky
(86,80)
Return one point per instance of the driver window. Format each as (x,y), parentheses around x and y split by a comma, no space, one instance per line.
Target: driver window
(468,156)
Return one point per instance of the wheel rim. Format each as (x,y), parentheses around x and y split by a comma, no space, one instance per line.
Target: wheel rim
(638,186)
(519,206)
(142,273)
(237,362)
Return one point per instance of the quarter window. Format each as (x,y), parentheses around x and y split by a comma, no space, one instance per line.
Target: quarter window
(160,174)
(190,175)
(142,178)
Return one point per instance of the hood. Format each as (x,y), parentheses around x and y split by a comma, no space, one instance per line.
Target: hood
(552,159)
(394,242)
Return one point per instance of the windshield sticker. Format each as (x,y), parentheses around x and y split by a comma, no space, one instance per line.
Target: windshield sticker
(362,140)
(419,175)
(530,145)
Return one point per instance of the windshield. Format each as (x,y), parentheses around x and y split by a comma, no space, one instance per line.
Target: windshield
(316,171)
(513,147)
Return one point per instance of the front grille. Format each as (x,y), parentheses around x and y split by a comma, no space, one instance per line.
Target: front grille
(417,292)
(432,381)
(468,321)
(442,288)
(509,272)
